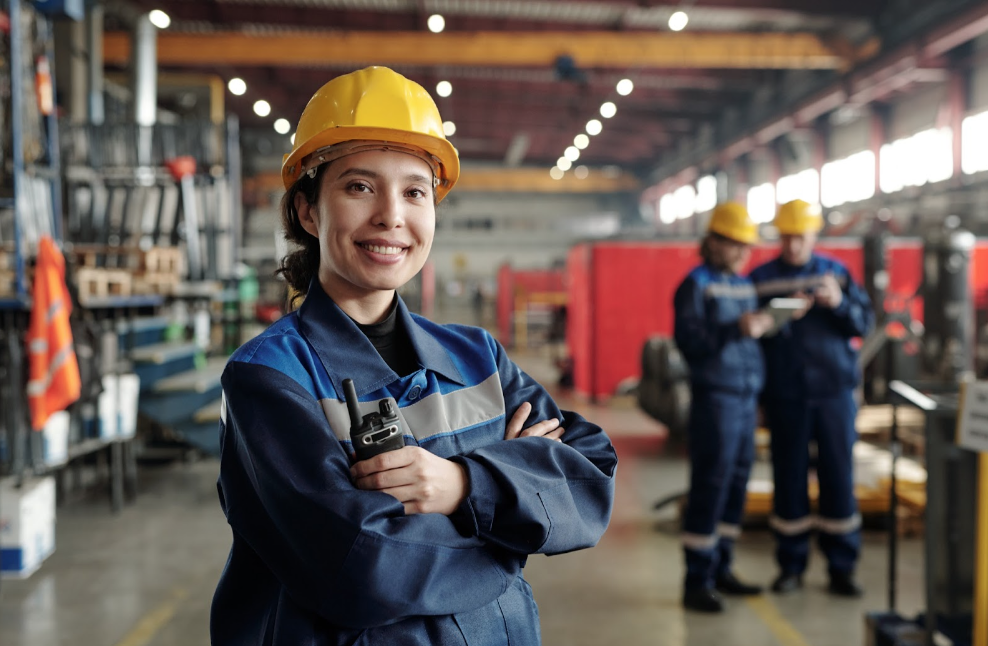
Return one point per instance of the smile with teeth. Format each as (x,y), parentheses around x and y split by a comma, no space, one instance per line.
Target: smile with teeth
(387,251)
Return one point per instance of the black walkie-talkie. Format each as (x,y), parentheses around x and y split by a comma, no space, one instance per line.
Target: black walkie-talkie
(377,432)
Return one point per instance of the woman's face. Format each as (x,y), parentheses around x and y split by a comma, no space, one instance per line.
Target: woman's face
(375,219)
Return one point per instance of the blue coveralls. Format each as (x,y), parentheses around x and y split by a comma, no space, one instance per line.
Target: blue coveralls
(726,373)
(317,561)
(809,395)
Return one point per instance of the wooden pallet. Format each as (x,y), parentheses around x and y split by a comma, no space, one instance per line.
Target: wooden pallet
(162,260)
(155,283)
(96,283)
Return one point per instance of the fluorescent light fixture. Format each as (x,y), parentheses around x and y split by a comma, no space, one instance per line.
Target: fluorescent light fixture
(159,19)
(293,138)
(444,88)
(625,86)
(262,108)
(556,172)
(581,172)
(678,21)
(237,86)
(564,164)
(281,126)
(449,128)
(608,110)
(594,127)
(571,153)
(436,23)
(581,141)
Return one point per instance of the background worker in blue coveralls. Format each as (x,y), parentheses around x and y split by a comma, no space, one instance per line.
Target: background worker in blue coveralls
(809,396)
(716,329)
(424,544)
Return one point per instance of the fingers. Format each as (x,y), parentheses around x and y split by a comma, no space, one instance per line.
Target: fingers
(517,423)
(541,429)
(384,462)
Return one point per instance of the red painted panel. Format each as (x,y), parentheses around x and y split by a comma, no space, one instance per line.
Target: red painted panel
(579,319)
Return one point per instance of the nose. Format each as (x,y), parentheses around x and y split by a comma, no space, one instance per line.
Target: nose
(389,212)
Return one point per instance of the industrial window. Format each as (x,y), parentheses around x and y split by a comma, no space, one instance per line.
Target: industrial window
(706,194)
(804,185)
(761,202)
(851,179)
(667,209)
(927,156)
(974,134)
(684,201)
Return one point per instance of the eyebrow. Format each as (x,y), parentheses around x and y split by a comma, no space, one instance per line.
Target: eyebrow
(363,172)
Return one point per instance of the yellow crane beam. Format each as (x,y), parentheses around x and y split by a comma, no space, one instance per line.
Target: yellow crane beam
(493,49)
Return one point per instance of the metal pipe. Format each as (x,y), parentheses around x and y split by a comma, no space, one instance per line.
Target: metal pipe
(145,85)
(94,73)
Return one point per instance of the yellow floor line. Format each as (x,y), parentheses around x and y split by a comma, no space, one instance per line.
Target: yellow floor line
(785,633)
(150,624)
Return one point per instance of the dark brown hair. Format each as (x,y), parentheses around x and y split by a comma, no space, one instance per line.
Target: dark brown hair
(299,267)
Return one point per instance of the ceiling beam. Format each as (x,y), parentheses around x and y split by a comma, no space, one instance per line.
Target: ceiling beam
(515,49)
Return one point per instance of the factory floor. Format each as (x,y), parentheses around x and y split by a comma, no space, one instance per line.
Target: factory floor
(145,576)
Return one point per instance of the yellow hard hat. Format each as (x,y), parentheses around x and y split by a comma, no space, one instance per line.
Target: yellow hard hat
(798,218)
(377,105)
(731,220)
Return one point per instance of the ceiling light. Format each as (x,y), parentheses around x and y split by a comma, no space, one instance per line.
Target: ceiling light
(608,110)
(159,19)
(282,126)
(293,138)
(444,88)
(572,153)
(581,172)
(436,23)
(625,86)
(678,21)
(564,164)
(581,141)
(262,108)
(594,127)
(556,172)
(449,128)
(237,86)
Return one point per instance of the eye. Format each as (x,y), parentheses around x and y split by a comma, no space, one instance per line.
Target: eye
(416,193)
(358,187)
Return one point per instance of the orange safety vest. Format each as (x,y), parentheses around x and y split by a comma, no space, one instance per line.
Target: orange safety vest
(53,377)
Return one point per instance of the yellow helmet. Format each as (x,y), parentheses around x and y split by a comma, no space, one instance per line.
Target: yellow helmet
(798,218)
(377,105)
(731,220)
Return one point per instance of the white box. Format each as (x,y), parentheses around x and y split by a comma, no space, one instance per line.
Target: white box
(55,439)
(129,388)
(109,424)
(27,525)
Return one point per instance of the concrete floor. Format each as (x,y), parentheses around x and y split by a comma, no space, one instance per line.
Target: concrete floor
(145,577)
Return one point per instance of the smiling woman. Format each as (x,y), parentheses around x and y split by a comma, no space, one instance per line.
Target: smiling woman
(423,543)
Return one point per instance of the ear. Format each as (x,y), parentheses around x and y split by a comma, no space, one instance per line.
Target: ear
(306,215)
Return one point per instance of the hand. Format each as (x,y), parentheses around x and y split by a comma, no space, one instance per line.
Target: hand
(549,428)
(800,313)
(422,481)
(829,293)
(755,324)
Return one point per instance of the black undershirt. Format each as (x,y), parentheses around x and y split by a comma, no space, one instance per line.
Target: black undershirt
(392,343)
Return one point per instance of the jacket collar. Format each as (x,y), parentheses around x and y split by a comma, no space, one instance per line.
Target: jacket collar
(345,352)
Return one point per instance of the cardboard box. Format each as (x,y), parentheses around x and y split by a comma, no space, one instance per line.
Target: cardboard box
(55,439)
(27,525)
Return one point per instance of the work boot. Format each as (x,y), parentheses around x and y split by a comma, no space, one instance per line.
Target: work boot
(702,600)
(730,584)
(787,582)
(843,584)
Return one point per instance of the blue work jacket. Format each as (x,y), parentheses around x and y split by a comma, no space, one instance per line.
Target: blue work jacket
(317,561)
(813,357)
(708,304)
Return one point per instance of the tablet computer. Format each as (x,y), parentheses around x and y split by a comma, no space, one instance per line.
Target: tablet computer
(782,309)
